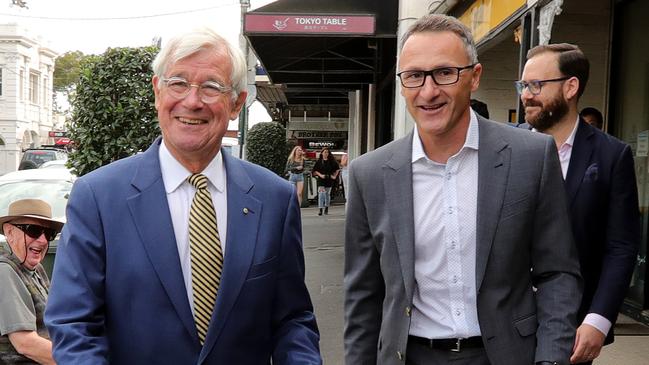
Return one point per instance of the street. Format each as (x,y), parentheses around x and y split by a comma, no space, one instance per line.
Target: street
(323,248)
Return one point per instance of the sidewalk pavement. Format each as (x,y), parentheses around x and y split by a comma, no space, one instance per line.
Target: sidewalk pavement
(631,346)
(323,247)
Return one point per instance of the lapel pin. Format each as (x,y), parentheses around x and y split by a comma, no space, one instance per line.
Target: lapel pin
(245,210)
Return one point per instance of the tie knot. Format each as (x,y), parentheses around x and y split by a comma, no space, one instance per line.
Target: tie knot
(199,181)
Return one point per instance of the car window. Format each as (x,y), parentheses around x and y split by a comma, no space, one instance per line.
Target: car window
(53,192)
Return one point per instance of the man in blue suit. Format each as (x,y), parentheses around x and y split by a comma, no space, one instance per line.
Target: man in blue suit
(124,288)
(600,184)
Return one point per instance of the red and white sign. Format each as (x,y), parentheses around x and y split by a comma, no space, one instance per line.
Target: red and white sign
(309,24)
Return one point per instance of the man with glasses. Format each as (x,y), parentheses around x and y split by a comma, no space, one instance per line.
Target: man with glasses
(28,228)
(600,186)
(451,228)
(184,254)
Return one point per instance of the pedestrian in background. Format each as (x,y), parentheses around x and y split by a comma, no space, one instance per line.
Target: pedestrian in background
(344,171)
(593,117)
(184,254)
(326,171)
(295,168)
(451,228)
(600,186)
(480,108)
(28,228)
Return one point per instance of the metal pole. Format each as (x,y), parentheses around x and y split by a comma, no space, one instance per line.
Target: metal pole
(243,115)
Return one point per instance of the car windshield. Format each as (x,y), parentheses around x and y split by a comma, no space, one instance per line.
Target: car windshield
(55,192)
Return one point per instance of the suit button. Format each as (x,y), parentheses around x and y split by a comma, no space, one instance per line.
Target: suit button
(408,311)
(399,355)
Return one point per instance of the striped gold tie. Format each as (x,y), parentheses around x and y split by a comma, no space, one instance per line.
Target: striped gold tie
(206,254)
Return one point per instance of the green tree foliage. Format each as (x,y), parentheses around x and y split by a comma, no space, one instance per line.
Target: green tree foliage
(266,146)
(114,113)
(66,70)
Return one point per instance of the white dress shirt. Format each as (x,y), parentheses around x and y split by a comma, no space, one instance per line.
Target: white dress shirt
(445,213)
(180,194)
(565,152)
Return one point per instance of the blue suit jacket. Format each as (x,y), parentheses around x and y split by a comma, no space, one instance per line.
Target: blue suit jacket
(602,196)
(118,295)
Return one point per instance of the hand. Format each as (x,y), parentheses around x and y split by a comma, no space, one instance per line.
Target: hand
(588,344)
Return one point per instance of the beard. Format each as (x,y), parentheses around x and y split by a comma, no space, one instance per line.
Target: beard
(549,115)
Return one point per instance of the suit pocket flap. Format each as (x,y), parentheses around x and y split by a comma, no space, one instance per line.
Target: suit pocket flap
(261,269)
(527,325)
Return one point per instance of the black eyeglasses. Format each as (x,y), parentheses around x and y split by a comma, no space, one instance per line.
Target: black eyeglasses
(535,86)
(442,76)
(34,231)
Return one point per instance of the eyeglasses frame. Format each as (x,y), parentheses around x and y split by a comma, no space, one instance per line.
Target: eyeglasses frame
(430,73)
(522,85)
(222,89)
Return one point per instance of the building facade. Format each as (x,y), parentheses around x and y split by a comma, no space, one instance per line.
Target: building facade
(26,97)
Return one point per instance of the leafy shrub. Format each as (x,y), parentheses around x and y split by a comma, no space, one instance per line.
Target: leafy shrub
(266,146)
(114,115)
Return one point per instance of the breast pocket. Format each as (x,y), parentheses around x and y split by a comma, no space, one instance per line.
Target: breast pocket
(515,207)
(262,269)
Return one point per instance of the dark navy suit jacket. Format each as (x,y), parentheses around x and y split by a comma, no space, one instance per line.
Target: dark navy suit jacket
(118,295)
(603,203)
(602,198)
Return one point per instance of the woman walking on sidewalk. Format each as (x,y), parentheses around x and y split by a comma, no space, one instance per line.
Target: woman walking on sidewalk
(295,168)
(326,171)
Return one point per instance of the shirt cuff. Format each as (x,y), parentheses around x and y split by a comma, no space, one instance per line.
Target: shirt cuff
(599,322)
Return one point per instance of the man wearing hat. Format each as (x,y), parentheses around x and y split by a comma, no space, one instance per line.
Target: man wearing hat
(28,228)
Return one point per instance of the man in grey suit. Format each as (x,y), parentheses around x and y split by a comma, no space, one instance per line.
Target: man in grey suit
(457,243)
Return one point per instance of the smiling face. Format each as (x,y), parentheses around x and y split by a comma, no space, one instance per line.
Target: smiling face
(549,107)
(192,130)
(439,111)
(30,251)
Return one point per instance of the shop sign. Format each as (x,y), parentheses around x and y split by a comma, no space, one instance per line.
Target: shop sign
(57,134)
(319,134)
(318,144)
(309,23)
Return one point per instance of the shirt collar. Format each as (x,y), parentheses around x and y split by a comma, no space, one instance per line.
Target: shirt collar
(174,173)
(471,141)
(571,138)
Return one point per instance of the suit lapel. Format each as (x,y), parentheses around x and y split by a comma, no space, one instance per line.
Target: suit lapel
(399,200)
(244,212)
(493,169)
(582,150)
(150,211)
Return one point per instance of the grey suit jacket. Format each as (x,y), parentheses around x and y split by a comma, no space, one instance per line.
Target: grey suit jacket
(522,224)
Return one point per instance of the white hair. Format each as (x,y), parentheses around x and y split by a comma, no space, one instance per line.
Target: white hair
(192,42)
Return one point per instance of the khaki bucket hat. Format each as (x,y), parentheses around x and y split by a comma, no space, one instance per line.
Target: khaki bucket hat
(30,208)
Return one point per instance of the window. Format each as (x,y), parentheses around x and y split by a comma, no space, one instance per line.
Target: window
(0,86)
(21,85)
(45,99)
(33,88)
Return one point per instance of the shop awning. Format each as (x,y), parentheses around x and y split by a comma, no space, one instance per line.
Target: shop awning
(314,52)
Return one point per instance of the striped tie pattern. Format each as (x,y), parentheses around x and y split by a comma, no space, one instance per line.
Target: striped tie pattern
(206,254)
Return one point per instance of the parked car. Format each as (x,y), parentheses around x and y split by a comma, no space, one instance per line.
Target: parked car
(50,185)
(34,157)
(55,164)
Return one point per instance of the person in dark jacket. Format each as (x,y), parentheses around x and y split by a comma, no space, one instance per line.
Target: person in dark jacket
(326,170)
